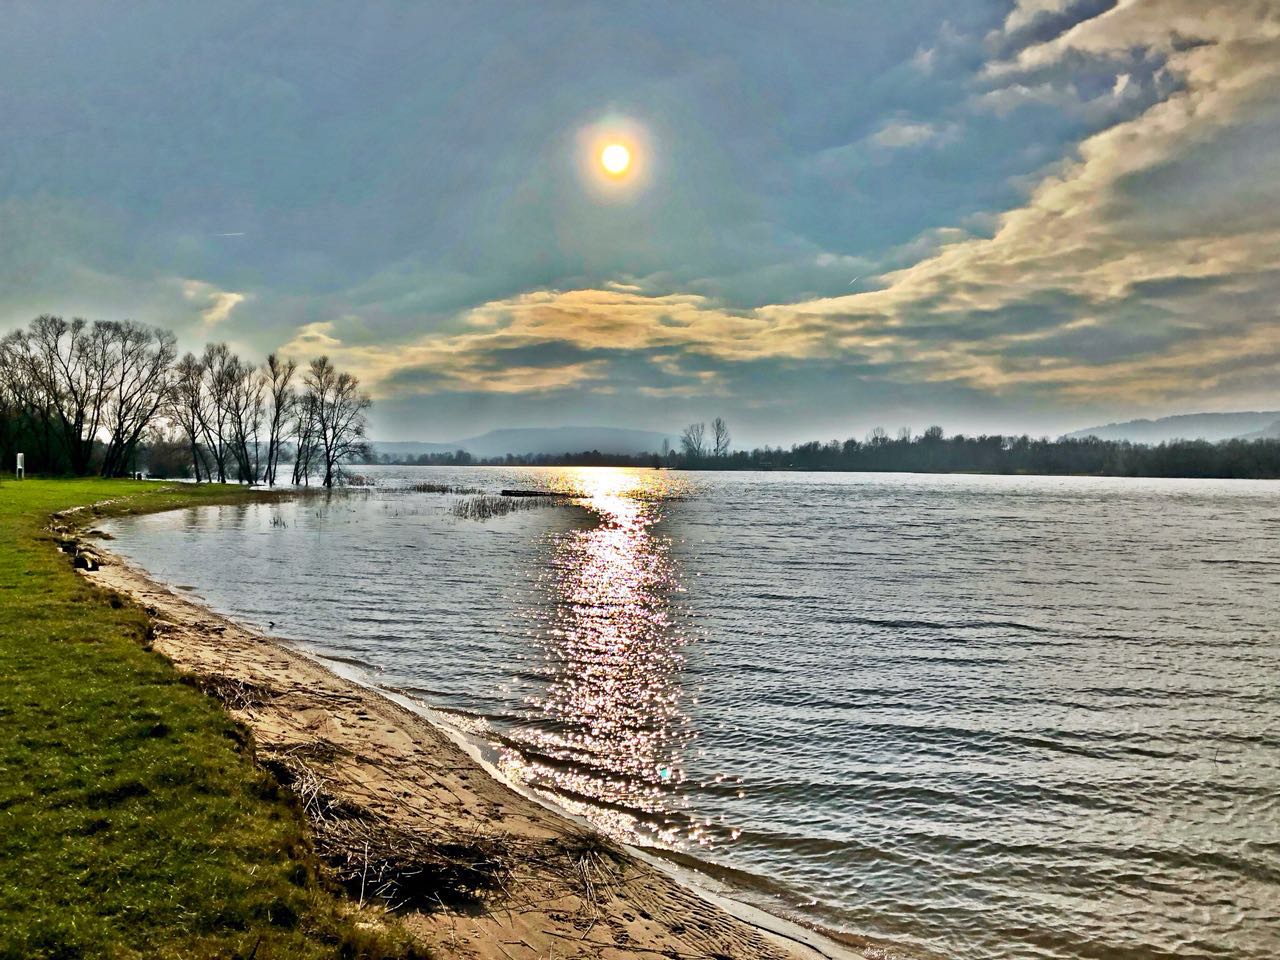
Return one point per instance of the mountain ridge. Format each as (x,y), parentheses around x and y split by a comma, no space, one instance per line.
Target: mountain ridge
(1254,424)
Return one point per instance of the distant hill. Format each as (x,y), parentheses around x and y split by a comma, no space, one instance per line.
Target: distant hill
(1269,433)
(538,440)
(1189,426)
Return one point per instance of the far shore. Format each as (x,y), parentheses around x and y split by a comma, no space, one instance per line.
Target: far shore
(408,818)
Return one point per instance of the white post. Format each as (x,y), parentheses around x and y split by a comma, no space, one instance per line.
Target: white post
(22,465)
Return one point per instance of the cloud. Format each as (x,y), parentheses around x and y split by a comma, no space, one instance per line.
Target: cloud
(1005,100)
(923,59)
(436,364)
(1025,12)
(596,321)
(313,340)
(1093,229)
(1032,22)
(215,305)
(897,134)
(1087,257)
(1101,223)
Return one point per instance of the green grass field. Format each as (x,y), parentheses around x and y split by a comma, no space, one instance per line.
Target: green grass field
(133,822)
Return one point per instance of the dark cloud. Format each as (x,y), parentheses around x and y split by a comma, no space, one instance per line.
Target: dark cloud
(1044,25)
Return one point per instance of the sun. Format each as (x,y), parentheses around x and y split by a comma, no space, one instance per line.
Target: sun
(615,158)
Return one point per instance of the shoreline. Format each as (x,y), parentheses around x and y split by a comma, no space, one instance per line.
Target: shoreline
(498,873)
(807,940)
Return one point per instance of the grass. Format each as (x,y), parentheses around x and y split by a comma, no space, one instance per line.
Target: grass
(133,820)
(486,507)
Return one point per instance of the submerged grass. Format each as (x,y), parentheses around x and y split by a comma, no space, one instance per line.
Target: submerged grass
(133,820)
(486,507)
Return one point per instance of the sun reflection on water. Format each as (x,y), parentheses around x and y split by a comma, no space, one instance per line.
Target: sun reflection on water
(607,734)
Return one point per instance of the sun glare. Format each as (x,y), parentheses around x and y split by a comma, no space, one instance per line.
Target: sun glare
(615,158)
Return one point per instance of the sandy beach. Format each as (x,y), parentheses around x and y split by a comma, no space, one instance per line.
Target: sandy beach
(407,818)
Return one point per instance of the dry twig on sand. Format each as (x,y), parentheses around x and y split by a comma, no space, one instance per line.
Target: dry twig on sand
(235,694)
(375,859)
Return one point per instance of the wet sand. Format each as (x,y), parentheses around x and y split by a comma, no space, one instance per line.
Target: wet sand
(410,819)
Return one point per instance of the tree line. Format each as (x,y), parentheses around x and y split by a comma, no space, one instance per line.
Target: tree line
(80,397)
(703,448)
(933,452)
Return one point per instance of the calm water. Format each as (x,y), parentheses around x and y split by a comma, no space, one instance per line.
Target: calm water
(978,716)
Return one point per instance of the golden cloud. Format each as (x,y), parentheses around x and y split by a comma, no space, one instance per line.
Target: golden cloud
(216,304)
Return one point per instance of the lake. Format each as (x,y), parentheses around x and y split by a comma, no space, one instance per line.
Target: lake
(975,716)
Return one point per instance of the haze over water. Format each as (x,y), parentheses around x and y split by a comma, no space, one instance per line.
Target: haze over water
(977,716)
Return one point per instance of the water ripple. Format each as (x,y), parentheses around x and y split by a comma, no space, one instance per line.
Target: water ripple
(983,716)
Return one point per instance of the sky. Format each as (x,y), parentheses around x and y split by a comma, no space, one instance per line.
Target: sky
(993,216)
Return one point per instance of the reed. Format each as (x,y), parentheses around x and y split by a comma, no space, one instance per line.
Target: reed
(487,507)
(443,488)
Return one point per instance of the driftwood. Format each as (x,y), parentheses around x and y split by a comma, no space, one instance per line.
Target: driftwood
(86,560)
(82,556)
(374,859)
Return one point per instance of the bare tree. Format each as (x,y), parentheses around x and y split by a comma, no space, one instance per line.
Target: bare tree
(137,361)
(338,409)
(186,405)
(111,387)
(168,451)
(244,402)
(693,441)
(279,377)
(12,400)
(306,438)
(63,364)
(720,437)
(25,407)
(221,367)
